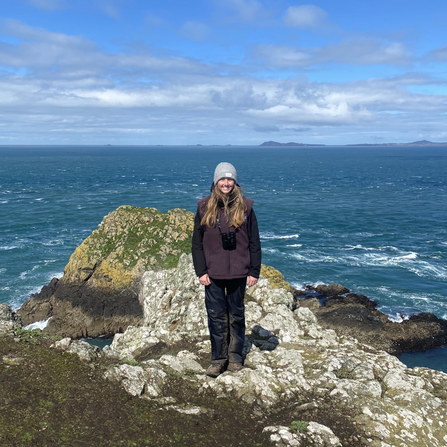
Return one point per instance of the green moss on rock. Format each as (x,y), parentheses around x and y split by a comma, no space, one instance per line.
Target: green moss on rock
(276,278)
(129,241)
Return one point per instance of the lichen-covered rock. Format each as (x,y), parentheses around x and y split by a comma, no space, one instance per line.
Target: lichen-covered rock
(98,294)
(132,378)
(133,344)
(276,278)
(85,351)
(291,362)
(312,435)
(174,303)
(9,320)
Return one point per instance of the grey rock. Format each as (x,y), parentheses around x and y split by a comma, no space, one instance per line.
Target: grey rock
(9,320)
(132,378)
(85,351)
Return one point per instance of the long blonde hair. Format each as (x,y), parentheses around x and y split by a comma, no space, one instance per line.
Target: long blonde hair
(234,207)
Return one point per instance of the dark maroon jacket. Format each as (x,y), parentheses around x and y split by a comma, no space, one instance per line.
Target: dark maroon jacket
(209,255)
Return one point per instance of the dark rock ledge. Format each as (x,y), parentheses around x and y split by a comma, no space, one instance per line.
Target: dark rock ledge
(357,316)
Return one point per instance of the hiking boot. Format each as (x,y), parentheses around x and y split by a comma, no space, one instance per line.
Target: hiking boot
(215,369)
(234,367)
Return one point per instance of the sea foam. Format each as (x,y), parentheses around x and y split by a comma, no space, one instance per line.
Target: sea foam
(38,324)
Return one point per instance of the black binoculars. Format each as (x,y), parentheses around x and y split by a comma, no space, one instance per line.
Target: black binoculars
(229,240)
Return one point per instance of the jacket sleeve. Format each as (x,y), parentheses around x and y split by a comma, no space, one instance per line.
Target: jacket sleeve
(198,256)
(254,245)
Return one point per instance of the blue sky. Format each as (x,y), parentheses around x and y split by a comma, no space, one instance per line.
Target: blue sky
(222,71)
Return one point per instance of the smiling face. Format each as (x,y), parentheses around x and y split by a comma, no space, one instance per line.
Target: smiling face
(225,185)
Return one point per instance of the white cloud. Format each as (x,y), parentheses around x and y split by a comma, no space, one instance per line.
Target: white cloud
(40,49)
(284,56)
(49,5)
(66,88)
(196,31)
(359,52)
(305,16)
(365,52)
(110,9)
(440,54)
(246,10)
(153,21)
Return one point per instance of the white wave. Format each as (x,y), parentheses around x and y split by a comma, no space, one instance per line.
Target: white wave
(302,285)
(9,247)
(38,324)
(53,242)
(388,247)
(398,317)
(358,247)
(406,260)
(39,199)
(24,274)
(295,245)
(57,275)
(409,256)
(272,236)
(424,270)
(299,257)
(270,250)
(366,234)
(4,201)
(400,305)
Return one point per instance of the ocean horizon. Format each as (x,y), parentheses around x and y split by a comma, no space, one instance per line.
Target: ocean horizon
(369,218)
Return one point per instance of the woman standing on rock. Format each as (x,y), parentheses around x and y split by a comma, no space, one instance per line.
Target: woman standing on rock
(227,257)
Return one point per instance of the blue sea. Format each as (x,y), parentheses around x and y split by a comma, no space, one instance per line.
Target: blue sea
(370,218)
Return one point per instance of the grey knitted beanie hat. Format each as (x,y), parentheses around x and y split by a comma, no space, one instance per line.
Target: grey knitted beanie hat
(225,170)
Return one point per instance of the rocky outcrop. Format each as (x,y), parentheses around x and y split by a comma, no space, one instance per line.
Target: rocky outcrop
(356,315)
(98,294)
(305,385)
(9,320)
(310,386)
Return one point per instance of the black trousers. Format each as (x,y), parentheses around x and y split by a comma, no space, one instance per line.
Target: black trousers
(224,300)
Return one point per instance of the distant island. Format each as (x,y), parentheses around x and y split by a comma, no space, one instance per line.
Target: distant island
(275,143)
(415,143)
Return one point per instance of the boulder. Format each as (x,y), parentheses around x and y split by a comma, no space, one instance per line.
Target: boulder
(85,351)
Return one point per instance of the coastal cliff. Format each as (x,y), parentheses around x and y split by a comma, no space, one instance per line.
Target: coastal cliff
(98,294)
(301,384)
(304,383)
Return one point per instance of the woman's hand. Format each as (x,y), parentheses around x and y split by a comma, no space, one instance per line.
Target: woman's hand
(205,280)
(251,281)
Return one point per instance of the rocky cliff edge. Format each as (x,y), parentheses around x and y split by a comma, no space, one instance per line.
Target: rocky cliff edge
(306,385)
